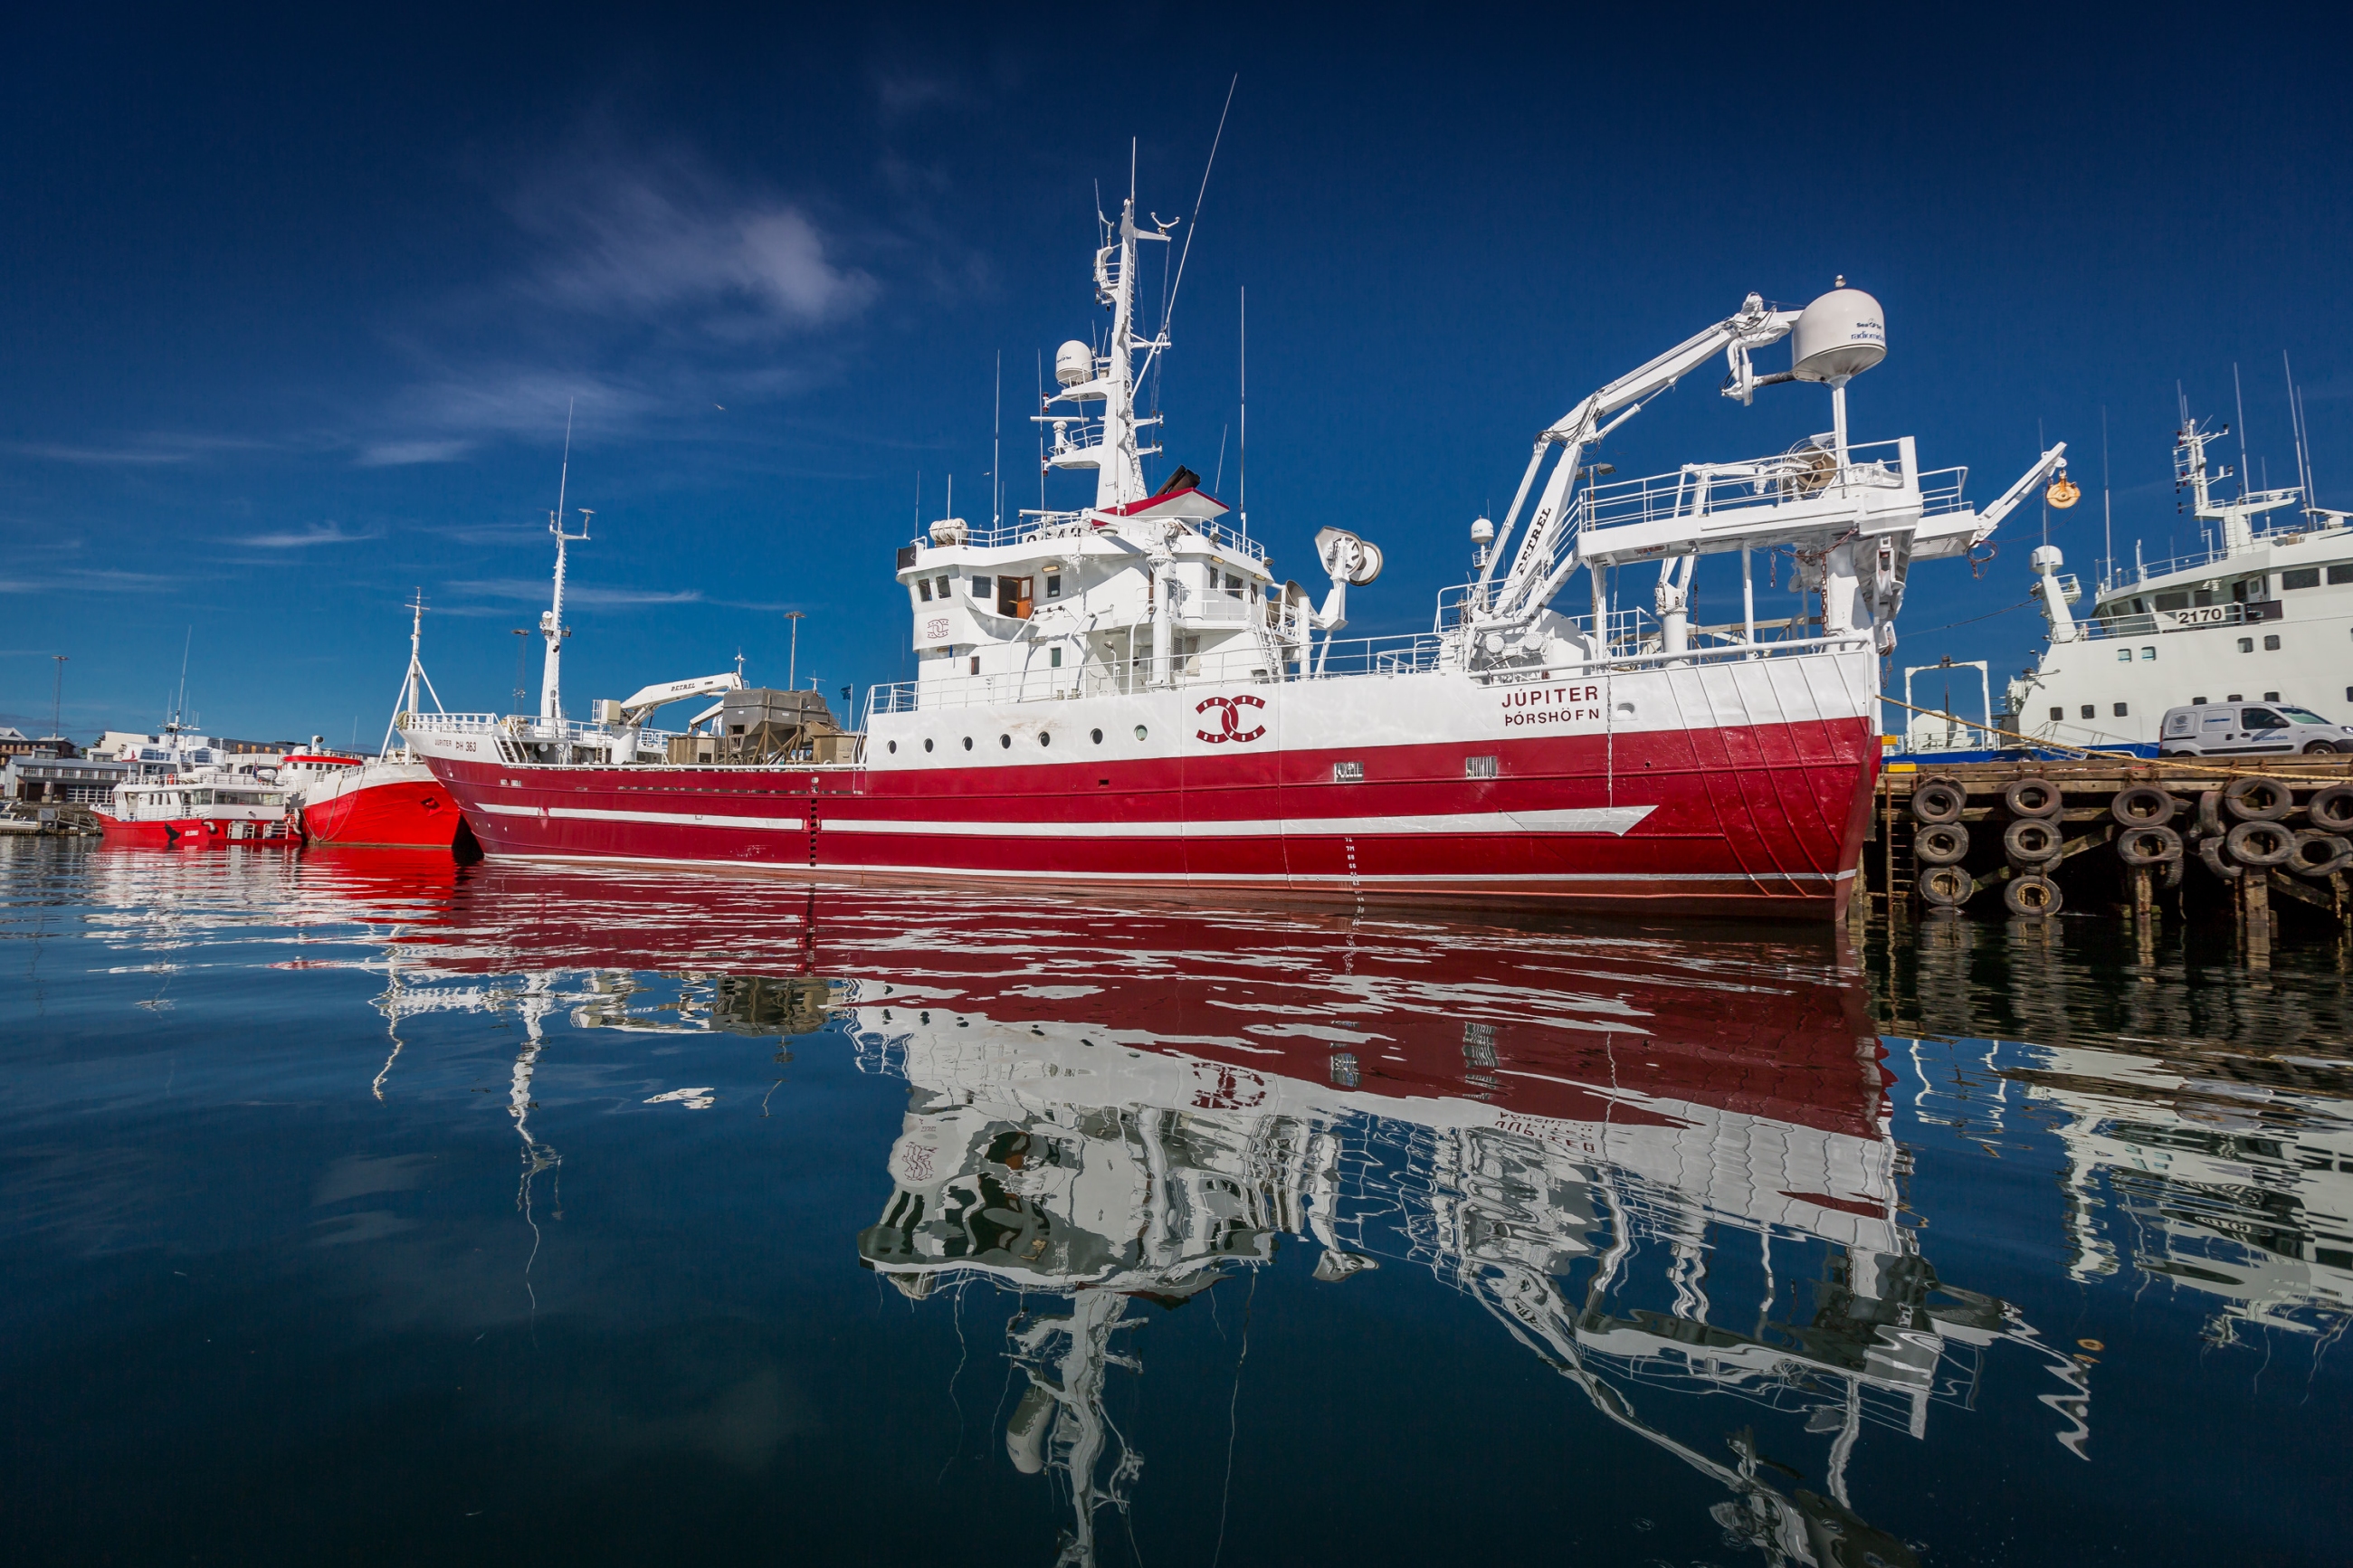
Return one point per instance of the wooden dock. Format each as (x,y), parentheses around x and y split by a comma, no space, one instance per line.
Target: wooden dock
(2139,839)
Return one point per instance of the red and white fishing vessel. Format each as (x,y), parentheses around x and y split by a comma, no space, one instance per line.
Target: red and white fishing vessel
(1123,694)
(390,799)
(202,809)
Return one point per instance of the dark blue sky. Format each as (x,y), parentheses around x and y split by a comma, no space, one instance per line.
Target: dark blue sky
(292,304)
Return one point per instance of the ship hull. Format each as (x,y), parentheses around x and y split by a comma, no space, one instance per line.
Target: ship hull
(195,832)
(1429,787)
(393,805)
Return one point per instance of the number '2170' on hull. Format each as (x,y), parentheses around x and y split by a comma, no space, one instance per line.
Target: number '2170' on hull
(1729,787)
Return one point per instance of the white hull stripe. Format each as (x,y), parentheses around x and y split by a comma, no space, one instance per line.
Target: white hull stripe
(1340,880)
(1614,820)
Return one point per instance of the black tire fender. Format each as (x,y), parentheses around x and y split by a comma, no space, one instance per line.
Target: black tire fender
(2032,898)
(2143,805)
(2030,797)
(1940,843)
(2331,809)
(2210,850)
(2261,844)
(2320,854)
(2258,799)
(1938,801)
(1946,887)
(2148,846)
(2031,840)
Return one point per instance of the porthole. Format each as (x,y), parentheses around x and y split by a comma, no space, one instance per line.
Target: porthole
(1045,738)
(1141,732)
(927,745)
(1096,735)
(1006,742)
(968,743)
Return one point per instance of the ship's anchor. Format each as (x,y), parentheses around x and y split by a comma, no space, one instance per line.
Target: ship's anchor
(1229,720)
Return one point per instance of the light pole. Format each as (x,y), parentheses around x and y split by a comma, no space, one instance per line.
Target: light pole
(57,698)
(792,664)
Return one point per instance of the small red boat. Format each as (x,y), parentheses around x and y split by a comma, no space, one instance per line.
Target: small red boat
(201,811)
(391,800)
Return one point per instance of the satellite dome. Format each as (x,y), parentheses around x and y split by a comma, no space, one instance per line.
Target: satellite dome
(1842,334)
(1074,363)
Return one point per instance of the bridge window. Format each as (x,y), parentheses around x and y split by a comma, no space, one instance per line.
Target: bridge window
(2301,577)
(981,587)
(1054,585)
(2173,601)
(941,584)
(924,590)
(2341,574)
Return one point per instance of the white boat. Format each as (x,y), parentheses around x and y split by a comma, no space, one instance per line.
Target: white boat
(2263,615)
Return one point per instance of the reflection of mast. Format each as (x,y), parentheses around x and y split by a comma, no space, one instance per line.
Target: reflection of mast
(537,1002)
(389,1004)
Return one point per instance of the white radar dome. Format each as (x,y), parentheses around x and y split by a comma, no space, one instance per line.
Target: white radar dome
(1074,363)
(1842,333)
(1483,531)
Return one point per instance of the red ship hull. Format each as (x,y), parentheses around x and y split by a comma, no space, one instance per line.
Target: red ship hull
(416,813)
(195,832)
(1750,819)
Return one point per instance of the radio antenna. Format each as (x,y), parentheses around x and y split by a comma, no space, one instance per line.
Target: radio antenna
(1198,198)
(1241,448)
(562,475)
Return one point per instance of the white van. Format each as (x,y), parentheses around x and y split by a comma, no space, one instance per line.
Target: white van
(2246,729)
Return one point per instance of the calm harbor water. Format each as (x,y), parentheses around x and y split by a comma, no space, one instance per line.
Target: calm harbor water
(364,1209)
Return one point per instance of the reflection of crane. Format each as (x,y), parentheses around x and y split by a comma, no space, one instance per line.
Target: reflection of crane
(1042,1163)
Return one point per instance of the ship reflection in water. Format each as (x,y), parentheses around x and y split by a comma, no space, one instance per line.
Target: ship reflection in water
(1868,1292)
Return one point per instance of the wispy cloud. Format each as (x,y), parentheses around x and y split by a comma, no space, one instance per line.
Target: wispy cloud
(140,451)
(529,589)
(317,533)
(656,239)
(394,454)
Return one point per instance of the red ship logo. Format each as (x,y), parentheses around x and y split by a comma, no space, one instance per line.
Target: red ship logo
(1230,720)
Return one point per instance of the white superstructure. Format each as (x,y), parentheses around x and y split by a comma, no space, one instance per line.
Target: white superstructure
(2260,614)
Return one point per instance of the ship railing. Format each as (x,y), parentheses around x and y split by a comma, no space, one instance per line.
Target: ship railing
(2189,618)
(1700,490)
(1034,527)
(1347,659)
(2133,575)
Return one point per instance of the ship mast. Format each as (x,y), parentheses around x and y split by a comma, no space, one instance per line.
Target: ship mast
(410,680)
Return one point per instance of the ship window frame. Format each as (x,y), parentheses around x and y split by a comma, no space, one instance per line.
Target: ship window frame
(1054,658)
(924,590)
(1141,733)
(1054,585)
(1096,736)
(2300,577)
(2246,645)
(2124,711)
(2271,642)
(927,744)
(2058,715)
(2124,656)
(2148,652)
(968,743)
(2091,710)
(2342,571)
